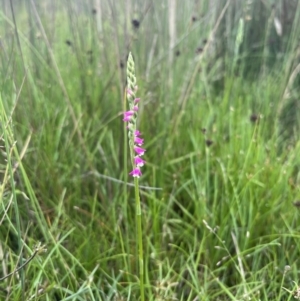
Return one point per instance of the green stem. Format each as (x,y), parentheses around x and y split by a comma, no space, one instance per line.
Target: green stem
(140,237)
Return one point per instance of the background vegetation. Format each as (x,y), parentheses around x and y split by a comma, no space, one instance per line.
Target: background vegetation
(219,86)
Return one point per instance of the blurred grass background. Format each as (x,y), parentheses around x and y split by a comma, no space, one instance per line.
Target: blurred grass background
(219,89)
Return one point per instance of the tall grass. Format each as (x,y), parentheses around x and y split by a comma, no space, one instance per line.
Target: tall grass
(222,170)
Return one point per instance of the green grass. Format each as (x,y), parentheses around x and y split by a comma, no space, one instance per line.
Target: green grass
(218,220)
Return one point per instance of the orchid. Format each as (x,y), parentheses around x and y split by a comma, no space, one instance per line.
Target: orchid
(136,152)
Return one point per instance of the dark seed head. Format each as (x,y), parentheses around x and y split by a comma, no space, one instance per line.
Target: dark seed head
(177,53)
(204,41)
(208,142)
(203,130)
(94,11)
(135,23)
(199,50)
(194,19)
(121,64)
(297,203)
(68,42)
(254,118)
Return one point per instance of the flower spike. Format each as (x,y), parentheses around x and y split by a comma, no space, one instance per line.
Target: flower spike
(135,141)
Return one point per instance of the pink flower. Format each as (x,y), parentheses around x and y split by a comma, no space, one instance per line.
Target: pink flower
(136,172)
(129,92)
(140,151)
(137,133)
(137,100)
(138,161)
(139,141)
(128,115)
